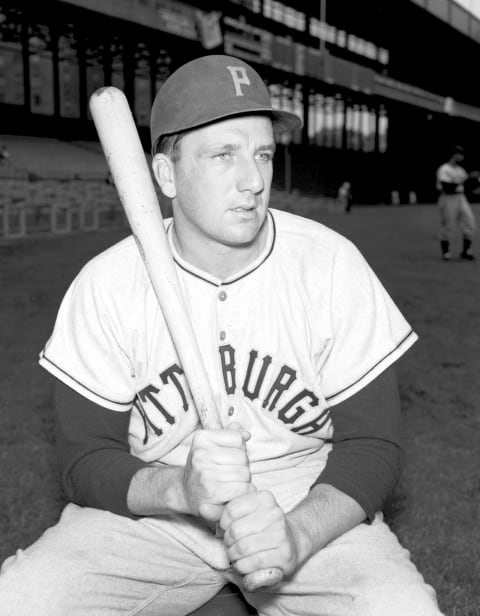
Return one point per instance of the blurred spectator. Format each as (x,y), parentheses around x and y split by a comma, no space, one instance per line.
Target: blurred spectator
(344,197)
(395,197)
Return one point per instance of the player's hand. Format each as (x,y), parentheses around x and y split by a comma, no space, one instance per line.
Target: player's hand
(258,535)
(217,470)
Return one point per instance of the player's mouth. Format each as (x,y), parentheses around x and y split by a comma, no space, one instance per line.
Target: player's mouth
(245,211)
(244,208)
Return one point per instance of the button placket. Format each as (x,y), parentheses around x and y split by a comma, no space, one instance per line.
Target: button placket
(228,409)
(222,334)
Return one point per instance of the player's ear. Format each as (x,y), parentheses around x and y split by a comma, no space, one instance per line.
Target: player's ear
(163,171)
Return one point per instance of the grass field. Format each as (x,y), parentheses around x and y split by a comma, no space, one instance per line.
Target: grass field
(435,510)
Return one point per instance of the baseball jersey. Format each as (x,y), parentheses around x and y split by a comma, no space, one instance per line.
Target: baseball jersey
(302,328)
(451,174)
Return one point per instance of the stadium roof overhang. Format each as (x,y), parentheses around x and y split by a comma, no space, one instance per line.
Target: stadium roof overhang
(406,93)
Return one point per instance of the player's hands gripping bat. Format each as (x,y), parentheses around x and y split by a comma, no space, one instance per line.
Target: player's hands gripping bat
(129,169)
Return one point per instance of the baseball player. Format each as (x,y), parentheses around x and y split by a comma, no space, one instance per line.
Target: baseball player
(299,339)
(453,205)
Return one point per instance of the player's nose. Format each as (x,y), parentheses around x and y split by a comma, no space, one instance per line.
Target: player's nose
(250,177)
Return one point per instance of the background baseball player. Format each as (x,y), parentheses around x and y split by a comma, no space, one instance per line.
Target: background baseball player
(298,338)
(454,206)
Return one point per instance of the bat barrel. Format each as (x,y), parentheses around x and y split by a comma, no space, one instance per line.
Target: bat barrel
(130,172)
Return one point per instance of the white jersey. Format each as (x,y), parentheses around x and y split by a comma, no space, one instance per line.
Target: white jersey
(452,174)
(302,328)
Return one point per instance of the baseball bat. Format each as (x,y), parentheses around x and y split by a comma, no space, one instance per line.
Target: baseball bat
(130,172)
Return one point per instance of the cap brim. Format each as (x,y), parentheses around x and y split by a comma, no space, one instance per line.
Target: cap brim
(285,120)
(282,120)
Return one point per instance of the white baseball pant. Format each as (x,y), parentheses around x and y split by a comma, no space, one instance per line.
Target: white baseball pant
(97,563)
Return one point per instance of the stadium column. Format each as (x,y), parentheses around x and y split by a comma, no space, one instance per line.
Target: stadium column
(25,60)
(306,105)
(129,69)
(82,65)
(54,34)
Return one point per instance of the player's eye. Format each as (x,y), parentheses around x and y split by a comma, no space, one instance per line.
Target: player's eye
(223,155)
(265,157)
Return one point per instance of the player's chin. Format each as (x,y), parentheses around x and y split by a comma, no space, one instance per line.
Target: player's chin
(244,234)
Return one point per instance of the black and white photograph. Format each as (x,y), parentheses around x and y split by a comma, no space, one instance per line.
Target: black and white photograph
(240,308)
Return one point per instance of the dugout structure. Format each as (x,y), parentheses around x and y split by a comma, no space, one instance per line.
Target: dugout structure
(385,87)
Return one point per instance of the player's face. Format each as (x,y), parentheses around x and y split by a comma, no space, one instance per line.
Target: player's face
(222,183)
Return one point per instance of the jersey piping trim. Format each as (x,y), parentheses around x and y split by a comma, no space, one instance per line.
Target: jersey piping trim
(214,284)
(222,284)
(45,360)
(270,250)
(380,361)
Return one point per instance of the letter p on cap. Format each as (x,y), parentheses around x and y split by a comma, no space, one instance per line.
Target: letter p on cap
(240,77)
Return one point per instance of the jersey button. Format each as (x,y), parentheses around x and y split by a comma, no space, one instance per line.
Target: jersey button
(230,411)
(223,335)
(222,296)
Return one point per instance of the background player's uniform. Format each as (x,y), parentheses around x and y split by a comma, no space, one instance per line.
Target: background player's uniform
(454,206)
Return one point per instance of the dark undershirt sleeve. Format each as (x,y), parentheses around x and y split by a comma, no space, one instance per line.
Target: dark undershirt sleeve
(367,457)
(93,452)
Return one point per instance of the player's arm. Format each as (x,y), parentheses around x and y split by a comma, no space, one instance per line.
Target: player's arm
(93,452)
(367,456)
(362,468)
(99,471)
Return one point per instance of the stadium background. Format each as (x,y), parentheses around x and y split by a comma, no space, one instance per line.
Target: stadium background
(384,88)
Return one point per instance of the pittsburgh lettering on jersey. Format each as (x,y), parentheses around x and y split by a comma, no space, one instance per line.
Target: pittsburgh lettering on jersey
(149,394)
(276,390)
(288,411)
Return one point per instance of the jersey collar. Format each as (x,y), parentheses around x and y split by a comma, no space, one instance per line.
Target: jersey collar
(198,273)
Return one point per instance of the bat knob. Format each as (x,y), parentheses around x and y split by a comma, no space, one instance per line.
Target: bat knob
(263,578)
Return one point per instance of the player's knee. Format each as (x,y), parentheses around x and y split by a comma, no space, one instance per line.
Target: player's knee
(41,579)
(28,588)
(82,529)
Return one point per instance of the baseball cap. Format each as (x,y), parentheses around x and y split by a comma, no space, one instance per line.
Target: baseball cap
(208,89)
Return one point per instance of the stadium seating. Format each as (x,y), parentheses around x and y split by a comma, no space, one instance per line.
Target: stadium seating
(49,186)
(49,158)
